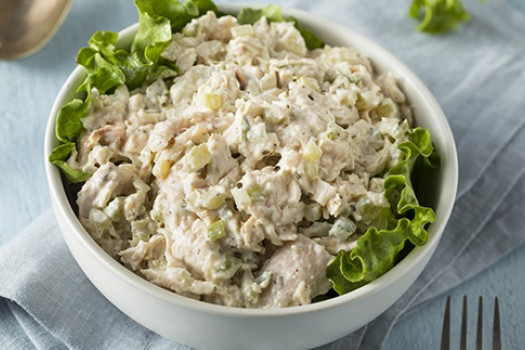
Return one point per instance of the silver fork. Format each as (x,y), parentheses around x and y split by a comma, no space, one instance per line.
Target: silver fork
(496,330)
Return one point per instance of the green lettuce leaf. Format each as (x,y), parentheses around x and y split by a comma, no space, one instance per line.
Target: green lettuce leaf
(153,35)
(104,42)
(68,126)
(62,152)
(73,175)
(157,21)
(99,60)
(376,251)
(171,10)
(179,14)
(380,218)
(68,123)
(109,67)
(249,16)
(202,6)
(312,41)
(274,14)
(59,156)
(438,16)
(104,76)
(136,72)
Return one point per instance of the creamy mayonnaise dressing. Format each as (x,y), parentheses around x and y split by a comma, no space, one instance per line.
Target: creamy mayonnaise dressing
(238,181)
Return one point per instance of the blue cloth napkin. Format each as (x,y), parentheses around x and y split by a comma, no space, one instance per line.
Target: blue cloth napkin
(477,74)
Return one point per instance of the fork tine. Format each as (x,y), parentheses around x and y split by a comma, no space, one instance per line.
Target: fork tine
(496,335)
(479,332)
(445,335)
(463,340)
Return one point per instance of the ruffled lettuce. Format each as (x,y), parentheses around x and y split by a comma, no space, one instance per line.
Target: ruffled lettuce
(108,67)
(68,127)
(59,156)
(438,16)
(378,249)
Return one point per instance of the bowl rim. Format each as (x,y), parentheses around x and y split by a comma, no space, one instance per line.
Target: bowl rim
(402,268)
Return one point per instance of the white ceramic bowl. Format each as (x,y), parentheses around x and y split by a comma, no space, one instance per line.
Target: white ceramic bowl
(211,326)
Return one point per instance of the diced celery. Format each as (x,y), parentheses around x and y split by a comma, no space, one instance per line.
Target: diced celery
(198,157)
(309,82)
(342,229)
(251,292)
(161,169)
(367,100)
(354,78)
(213,101)
(268,81)
(213,200)
(134,205)
(140,231)
(245,127)
(273,119)
(311,169)
(318,229)
(255,191)
(228,266)
(264,279)
(330,76)
(331,135)
(231,263)
(361,103)
(250,289)
(311,151)
(216,230)
(191,30)
(333,131)
(385,110)
(159,217)
(242,30)
(224,212)
(140,186)
(115,209)
(313,212)
(292,41)
(241,197)
(98,217)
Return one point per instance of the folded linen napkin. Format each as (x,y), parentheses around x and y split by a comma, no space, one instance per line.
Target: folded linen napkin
(478,76)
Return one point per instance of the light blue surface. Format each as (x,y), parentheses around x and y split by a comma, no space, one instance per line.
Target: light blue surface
(505,280)
(27,91)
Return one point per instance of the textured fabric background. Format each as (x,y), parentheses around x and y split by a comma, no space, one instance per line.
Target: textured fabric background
(476,73)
